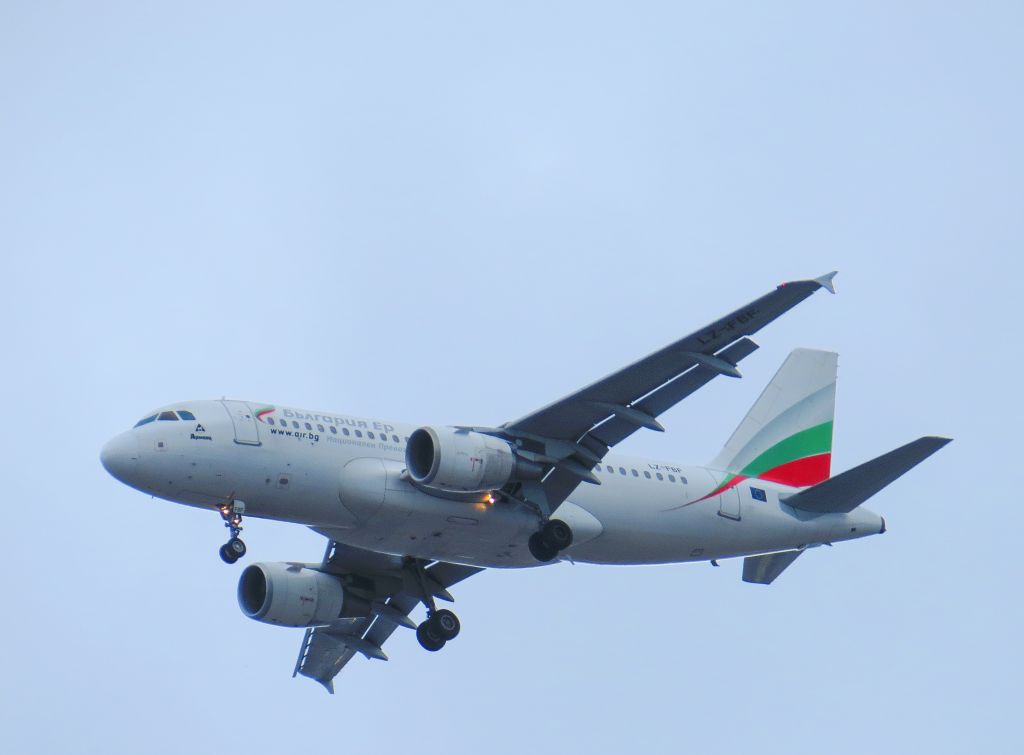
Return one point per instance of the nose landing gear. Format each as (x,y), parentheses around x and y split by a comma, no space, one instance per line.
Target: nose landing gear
(232,550)
(231,512)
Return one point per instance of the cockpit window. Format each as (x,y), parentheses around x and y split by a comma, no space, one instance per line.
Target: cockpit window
(186,415)
(145,421)
(168,416)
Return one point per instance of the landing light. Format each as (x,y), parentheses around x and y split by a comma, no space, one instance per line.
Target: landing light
(488,500)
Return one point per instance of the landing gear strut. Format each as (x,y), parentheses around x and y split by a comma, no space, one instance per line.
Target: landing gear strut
(555,536)
(441,625)
(231,512)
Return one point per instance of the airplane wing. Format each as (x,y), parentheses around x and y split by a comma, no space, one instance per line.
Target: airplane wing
(325,650)
(572,435)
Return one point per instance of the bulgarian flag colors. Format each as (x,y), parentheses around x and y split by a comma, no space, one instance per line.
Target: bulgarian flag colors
(786,436)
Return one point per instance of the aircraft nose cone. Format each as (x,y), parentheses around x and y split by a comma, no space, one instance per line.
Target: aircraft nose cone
(120,456)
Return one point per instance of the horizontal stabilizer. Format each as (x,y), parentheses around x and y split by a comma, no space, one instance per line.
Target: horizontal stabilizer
(762,570)
(845,492)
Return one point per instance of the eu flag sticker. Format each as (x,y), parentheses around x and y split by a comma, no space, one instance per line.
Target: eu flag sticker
(758,495)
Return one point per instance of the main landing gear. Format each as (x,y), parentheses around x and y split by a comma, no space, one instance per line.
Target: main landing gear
(231,512)
(441,625)
(555,536)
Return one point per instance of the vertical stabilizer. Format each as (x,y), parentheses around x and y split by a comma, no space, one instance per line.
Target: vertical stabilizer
(786,436)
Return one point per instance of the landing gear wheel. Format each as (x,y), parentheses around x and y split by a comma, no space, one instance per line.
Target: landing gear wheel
(429,638)
(445,624)
(226,555)
(541,550)
(236,547)
(556,534)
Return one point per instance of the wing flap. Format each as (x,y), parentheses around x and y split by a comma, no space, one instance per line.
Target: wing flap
(324,653)
(660,400)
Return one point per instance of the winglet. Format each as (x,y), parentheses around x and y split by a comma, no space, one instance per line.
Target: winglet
(825,281)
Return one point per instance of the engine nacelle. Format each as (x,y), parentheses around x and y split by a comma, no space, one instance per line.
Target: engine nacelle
(289,595)
(459,461)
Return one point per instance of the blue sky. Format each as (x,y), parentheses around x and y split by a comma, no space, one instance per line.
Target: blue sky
(456,213)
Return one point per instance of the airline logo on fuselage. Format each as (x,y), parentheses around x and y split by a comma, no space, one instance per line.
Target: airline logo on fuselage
(325,419)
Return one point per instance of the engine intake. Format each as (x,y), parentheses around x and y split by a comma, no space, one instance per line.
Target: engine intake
(289,595)
(461,461)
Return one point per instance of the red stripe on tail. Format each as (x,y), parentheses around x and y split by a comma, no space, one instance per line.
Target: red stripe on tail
(802,472)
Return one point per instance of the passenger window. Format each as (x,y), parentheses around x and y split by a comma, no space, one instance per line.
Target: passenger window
(187,415)
(359,433)
(647,474)
(682,480)
(308,426)
(611,469)
(345,431)
(334,430)
(635,473)
(658,475)
(622,470)
(671,478)
(394,438)
(270,420)
(319,428)
(145,421)
(168,417)
(369,435)
(295,424)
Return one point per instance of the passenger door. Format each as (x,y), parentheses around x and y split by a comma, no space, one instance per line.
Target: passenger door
(246,431)
(729,505)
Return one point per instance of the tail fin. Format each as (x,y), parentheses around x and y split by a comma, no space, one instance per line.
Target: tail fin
(786,436)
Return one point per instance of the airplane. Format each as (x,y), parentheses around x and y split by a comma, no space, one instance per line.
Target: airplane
(409,511)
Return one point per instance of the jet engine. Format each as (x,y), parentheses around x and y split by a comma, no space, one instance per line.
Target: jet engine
(290,595)
(462,461)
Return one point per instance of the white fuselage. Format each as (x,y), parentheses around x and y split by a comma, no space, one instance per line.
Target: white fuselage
(345,477)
